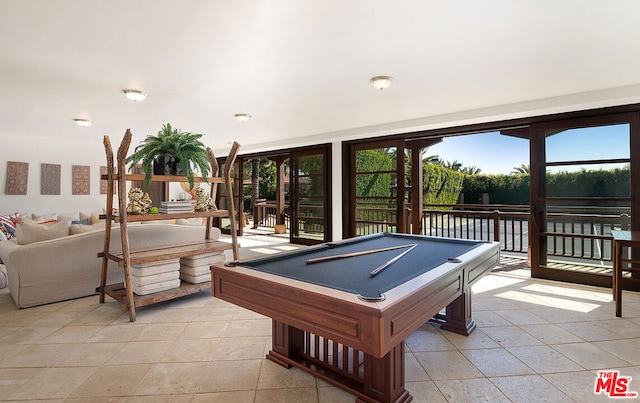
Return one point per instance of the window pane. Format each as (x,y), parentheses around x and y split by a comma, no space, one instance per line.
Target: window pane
(588,143)
(379,159)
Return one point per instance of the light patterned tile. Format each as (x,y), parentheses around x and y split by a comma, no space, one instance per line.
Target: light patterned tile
(413,371)
(544,359)
(550,333)
(243,396)
(470,390)
(628,350)
(240,348)
(274,376)
(307,395)
(590,331)
(425,392)
(112,380)
(477,339)
(160,331)
(497,362)
(428,338)
(225,376)
(172,378)
(521,317)
(579,386)
(441,365)
(530,388)
(191,350)
(590,356)
(47,383)
(509,336)
(141,352)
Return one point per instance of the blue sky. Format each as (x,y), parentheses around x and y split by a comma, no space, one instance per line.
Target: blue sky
(494,153)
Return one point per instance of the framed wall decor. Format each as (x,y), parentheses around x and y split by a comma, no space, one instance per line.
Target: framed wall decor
(103,183)
(50,179)
(81,179)
(17,178)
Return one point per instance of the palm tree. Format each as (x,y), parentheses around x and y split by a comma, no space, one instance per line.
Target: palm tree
(472,170)
(522,169)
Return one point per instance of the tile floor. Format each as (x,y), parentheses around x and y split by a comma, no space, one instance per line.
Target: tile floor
(536,341)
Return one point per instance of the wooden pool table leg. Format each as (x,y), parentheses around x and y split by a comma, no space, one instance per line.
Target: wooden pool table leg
(458,315)
(374,379)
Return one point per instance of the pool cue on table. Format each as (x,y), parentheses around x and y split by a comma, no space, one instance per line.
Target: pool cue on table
(353,254)
(392,261)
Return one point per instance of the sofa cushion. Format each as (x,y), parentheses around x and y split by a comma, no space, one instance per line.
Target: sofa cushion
(82,228)
(4,280)
(190,221)
(28,232)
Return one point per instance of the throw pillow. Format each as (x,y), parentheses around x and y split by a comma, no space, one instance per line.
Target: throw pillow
(33,232)
(83,222)
(8,224)
(81,228)
(95,217)
(75,215)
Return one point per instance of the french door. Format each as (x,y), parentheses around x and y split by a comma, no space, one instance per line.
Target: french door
(309,200)
(376,188)
(570,223)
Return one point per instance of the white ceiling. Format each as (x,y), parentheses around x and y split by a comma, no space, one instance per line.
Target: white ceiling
(302,68)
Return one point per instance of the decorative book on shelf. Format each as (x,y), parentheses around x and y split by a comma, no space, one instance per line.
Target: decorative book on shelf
(169,207)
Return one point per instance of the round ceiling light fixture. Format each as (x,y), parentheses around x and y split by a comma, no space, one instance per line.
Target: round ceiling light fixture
(135,95)
(242,117)
(83,122)
(381,82)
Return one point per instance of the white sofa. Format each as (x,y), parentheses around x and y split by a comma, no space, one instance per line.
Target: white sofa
(68,267)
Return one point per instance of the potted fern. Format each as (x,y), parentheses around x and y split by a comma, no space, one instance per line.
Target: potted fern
(171,152)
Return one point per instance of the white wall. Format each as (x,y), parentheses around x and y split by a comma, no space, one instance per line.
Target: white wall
(336,190)
(38,150)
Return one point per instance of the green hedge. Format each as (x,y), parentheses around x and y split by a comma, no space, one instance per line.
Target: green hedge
(514,188)
(378,184)
(441,185)
(502,189)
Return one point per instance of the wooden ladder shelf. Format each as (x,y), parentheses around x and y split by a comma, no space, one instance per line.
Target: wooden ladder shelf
(126,257)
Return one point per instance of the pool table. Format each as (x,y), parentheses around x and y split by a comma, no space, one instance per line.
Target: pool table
(335,319)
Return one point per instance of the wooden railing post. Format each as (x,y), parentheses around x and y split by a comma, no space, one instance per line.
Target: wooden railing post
(496,225)
(624,221)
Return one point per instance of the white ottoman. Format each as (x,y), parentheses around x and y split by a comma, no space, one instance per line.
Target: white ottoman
(3,276)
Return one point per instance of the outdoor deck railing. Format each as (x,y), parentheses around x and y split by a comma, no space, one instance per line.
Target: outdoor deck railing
(574,232)
(264,214)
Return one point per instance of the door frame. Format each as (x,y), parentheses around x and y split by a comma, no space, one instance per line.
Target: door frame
(349,181)
(325,151)
(538,198)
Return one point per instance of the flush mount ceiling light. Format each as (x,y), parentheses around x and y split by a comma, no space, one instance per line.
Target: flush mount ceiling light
(135,95)
(83,122)
(242,117)
(381,82)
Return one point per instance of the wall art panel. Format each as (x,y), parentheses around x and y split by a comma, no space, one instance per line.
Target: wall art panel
(17,178)
(81,180)
(50,179)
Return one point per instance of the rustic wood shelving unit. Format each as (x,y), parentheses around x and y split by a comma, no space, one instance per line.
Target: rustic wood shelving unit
(126,257)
